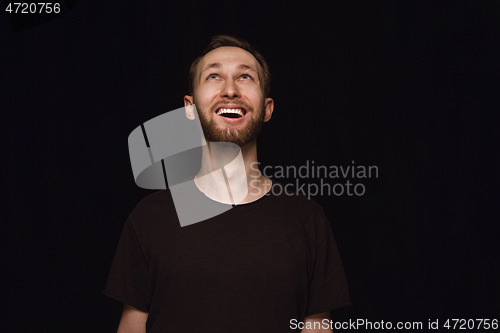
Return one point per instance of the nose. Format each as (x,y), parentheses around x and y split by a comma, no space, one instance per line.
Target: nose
(230,90)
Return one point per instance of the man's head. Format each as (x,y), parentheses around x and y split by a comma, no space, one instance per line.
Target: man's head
(229,84)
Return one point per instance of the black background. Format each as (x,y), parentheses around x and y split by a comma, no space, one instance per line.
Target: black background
(410,87)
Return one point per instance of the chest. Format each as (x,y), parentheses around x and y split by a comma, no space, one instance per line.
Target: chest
(263,257)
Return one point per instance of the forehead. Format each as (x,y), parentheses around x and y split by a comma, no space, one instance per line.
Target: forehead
(228,57)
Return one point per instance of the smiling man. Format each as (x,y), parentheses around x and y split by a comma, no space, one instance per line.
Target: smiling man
(270,264)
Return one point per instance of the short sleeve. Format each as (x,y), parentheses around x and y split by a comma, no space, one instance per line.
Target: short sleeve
(328,288)
(129,280)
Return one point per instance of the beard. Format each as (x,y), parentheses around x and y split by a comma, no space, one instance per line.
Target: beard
(239,136)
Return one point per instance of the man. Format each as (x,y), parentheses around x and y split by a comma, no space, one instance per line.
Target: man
(270,264)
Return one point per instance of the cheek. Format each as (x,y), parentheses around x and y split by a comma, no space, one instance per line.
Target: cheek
(252,93)
(207,94)
(204,97)
(256,99)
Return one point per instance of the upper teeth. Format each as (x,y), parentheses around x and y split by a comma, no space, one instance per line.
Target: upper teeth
(238,111)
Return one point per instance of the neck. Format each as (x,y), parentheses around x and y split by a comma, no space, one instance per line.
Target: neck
(228,177)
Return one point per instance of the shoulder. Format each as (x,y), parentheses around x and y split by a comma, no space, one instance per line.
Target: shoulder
(299,207)
(301,213)
(294,199)
(155,207)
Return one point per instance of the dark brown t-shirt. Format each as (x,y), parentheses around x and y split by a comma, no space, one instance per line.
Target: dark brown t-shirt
(253,268)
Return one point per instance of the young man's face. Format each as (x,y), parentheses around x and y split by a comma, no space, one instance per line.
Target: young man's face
(228,96)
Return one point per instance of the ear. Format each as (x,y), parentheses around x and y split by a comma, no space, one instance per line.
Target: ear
(269,108)
(188,105)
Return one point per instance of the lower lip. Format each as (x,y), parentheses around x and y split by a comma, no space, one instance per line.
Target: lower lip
(232,120)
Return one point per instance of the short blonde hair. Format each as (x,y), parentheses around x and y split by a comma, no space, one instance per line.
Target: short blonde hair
(226,40)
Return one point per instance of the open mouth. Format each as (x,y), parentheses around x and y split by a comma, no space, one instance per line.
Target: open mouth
(231,113)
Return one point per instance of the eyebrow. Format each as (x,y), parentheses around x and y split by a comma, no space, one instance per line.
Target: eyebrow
(219,65)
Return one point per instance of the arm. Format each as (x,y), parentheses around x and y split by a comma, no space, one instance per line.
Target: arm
(133,320)
(317,318)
